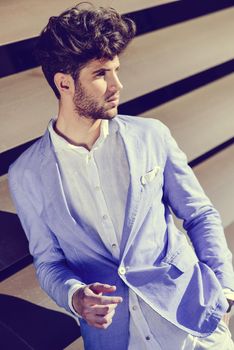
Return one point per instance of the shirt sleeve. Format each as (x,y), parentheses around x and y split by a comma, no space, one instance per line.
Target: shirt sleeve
(71,292)
(202,222)
(53,272)
(229,294)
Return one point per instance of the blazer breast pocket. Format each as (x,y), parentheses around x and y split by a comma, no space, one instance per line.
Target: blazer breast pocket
(151,182)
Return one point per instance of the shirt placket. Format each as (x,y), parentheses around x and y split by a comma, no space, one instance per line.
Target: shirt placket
(139,327)
(106,231)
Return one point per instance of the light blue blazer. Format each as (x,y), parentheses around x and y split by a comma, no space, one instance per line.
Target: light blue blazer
(156,261)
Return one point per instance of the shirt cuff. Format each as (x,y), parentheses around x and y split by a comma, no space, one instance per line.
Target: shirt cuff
(229,294)
(71,291)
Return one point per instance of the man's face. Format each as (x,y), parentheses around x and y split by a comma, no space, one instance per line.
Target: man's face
(97,89)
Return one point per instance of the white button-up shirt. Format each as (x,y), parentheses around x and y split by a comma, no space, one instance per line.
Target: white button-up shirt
(101,202)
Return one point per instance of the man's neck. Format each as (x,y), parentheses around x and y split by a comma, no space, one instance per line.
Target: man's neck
(77,130)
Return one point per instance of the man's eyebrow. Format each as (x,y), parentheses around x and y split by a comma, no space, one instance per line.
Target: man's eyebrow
(105,70)
(101,70)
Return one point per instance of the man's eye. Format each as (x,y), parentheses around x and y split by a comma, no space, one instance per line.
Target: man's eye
(100,74)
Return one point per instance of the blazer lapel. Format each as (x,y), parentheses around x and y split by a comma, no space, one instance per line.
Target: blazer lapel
(56,208)
(52,184)
(133,148)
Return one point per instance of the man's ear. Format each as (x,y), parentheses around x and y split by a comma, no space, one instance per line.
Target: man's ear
(64,83)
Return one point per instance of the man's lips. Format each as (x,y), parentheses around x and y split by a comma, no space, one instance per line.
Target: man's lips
(114,98)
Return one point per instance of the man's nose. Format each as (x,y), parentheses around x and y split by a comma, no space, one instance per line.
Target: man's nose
(115,84)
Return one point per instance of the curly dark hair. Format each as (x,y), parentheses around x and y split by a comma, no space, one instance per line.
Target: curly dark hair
(78,35)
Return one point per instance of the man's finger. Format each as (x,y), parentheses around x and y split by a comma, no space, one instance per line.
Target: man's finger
(102,309)
(104,319)
(93,319)
(101,300)
(101,326)
(101,322)
(102,288)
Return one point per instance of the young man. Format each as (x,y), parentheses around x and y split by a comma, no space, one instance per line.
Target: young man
(95,195)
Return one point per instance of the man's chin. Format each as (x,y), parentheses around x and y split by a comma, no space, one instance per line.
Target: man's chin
(105,114)
(110,114)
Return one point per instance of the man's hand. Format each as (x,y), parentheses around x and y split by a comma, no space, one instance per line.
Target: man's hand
(92,306)
(226,318)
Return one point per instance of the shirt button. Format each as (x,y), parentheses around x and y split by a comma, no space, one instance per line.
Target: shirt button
(147,337)
(114,245)
(97,188)
(105,217)
(134,307)
(122,270)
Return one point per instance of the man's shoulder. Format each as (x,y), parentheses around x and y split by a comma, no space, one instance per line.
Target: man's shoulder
(142,123)
(28,160)
(149,130)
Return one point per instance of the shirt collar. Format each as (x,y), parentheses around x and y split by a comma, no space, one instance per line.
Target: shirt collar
(60,143)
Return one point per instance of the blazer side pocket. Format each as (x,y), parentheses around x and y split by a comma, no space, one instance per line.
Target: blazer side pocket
(182,259)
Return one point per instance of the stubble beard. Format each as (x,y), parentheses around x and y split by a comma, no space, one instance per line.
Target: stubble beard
(86,107)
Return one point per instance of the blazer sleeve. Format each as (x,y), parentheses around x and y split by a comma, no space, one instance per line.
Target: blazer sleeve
(185,196)
(53,273)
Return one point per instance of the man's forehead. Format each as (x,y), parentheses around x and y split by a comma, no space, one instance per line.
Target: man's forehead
(102,63)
